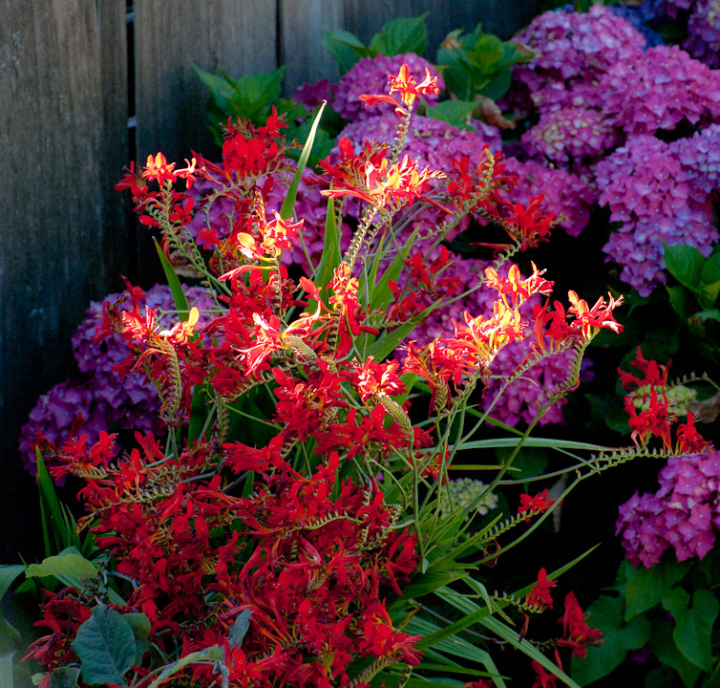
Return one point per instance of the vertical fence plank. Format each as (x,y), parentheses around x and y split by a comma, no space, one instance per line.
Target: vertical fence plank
(118,240)
(170,36)
(301,26)
(50,267)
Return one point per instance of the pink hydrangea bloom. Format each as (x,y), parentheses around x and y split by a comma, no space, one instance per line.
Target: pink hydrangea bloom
(700,158)
(370,76)
(312,95)
(649,193)
(659,89)
(571,136)
(574,51)
(683,514)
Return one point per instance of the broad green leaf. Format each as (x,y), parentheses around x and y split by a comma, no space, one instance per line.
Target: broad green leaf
(710,272)
(209,654)
(8,574)
(684,263)
(286,211)
(453,112)
(665,649)
(219,87)
(141,627)
(712,314)
(254,90)
(6,670)
(646,587)
(606,614)
(458,74)
(681,301)
(693,629)
(676,601)
(64,677)
(713,681)
(498,85)
(239,628)
(63,564)
(400,36)
(345,47)
(173,281)
(710,293)
(105,646)
(487,54)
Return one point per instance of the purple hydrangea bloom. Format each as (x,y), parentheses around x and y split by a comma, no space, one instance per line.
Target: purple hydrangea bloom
(703,40)
(649,192)
(313,95)
(570,136)
(104,399)
(574,51)
(682,514)
(660,88)
(370,76)
(700,158)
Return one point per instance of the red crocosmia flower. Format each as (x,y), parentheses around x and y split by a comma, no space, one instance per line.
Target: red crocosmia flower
(654,374)
(689,440)
(377,379)
(543,678)
(408,88)
(577,635)
(539,596)
(538,504)
(655,420)
(159,169)
(134,182)
(480,683)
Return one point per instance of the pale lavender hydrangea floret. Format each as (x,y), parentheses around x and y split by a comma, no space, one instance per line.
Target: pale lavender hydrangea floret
(104,399)
(648,191)
(682,514)
(575,50)
(369,76)
(659,89)
(570,136)
(565,193)
(703,40)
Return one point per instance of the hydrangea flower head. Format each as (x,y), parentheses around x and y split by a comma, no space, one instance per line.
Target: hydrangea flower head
(703,29)
(370,75)
(660,88)
(699,156)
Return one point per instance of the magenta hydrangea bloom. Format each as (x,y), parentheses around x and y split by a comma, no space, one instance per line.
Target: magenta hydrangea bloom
(312,95)
(565,193)
(649,193)
(570,137)
(370,76)
(104,399)
(683,514)
(700,158)
(574,51)
(659,89)
(703,29)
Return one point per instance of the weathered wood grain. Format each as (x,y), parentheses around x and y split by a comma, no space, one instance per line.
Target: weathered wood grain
(50,266)
(301,25)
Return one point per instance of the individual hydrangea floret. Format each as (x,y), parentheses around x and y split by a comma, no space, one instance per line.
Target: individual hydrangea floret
(570,136)
(703,39)
(574,51)
(649,193)
(659,89)
(700,158)
(683,514)
(566,194)
(370,76)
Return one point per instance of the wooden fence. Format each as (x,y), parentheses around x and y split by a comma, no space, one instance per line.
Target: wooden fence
(87,85)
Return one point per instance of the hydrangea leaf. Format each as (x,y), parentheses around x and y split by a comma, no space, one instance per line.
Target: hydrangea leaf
(64,677)
(663,646)
(105,646)
(710,272)
(606,614)
(402,35)
(684,264)
(453,112)
(676,601)
(693,629)
(63,564)
(345,47)
(681,301)
(646,587)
